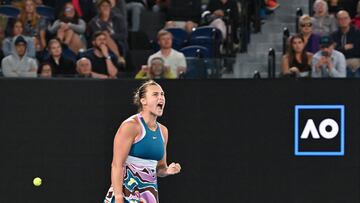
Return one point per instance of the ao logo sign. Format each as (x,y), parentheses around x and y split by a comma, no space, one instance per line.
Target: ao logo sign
(310,128)
(319,130)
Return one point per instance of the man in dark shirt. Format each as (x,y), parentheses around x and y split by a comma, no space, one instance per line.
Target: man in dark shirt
(103,61)
(347,40)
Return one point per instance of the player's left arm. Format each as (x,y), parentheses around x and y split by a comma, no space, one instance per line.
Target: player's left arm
(162,168)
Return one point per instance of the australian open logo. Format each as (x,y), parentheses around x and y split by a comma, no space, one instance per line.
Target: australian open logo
(319,130)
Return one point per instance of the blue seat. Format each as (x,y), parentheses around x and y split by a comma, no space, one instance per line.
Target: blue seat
(207,42)
(209,37)
(9,11)
(196,68)
(350,74)
(46,11)
(195,51)
(207,31)
(180,37)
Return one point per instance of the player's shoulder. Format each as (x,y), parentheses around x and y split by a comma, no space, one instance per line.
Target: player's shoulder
(163,128)
(131,122)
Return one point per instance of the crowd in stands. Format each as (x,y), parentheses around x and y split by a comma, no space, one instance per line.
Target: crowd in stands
(328,43)
(90,38)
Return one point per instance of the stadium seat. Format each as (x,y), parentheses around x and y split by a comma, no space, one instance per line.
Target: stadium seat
(46,12)
(195,51)
(196,68)
(9,11)
(180,37)
(208,37)
(207,31)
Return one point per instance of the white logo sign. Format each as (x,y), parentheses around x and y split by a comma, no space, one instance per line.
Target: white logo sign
(310,128)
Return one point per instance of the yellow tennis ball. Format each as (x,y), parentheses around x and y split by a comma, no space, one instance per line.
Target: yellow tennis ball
(37,181)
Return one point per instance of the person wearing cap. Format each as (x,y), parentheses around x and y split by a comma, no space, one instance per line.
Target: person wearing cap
(8,43)
(347,40)
(18,64)
(157,70)
(328,62)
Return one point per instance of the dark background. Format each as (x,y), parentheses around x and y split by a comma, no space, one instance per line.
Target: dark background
(233,138)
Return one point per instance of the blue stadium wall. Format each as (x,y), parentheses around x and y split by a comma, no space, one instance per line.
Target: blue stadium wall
(234,139)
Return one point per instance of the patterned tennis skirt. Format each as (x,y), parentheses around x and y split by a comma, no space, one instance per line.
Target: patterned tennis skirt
(140,185)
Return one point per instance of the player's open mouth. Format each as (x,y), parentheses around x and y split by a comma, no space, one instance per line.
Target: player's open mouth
(160,105)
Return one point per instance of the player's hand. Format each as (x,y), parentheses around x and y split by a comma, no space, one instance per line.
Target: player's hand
(173,169)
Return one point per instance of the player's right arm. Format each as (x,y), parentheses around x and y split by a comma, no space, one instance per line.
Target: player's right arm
(123,140)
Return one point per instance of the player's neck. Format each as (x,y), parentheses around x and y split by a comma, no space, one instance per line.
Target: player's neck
(149,118)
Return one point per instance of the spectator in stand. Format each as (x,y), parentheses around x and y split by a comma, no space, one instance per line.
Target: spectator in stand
(161,6)
(323,23)
(297,61)
(188,26)
(102,60)
(334,6)
(85,9)
(311,40)
(174,59)
(119,8)
(134,9)
(113,26)
(349,6)
(18,64)
(34,24)
(69,28)
(8,43)
(356,20)
(347,40)
(45,70)
(157,70)
(328,62)
(227,11)
(61,66)
(84,69)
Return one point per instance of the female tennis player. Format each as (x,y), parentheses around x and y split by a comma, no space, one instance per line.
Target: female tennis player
(139,153)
